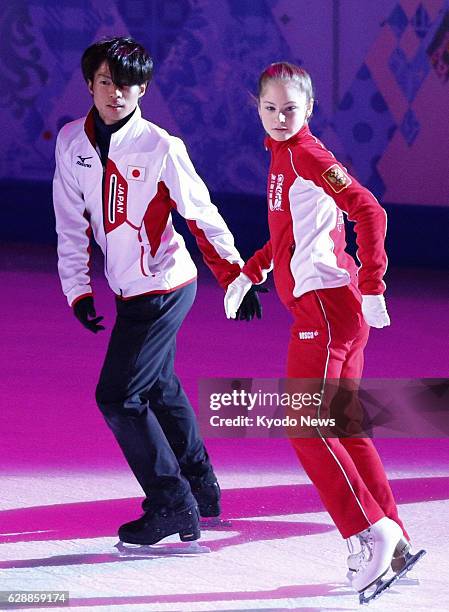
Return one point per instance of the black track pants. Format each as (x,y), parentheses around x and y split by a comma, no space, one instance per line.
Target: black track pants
(143,401)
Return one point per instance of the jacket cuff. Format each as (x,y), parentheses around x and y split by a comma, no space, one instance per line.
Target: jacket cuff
(254,272)
(73,298)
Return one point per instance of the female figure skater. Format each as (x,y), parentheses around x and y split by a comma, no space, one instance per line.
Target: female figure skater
(333,304)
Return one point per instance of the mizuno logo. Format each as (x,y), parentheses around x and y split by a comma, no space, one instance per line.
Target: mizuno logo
(82,161)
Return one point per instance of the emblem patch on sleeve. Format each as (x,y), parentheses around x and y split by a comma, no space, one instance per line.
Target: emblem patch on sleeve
(336,178)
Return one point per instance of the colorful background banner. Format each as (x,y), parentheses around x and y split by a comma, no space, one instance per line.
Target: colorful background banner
(382,96)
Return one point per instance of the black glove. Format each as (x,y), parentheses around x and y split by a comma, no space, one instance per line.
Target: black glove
(83,309)
(251,306)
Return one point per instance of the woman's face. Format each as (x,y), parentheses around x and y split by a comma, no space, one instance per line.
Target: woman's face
(283,109)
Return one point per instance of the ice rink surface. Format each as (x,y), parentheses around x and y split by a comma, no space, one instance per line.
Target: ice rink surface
(65,489)
(281,552)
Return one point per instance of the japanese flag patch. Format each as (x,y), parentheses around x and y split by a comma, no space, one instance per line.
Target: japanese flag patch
(135,173)
(336,178)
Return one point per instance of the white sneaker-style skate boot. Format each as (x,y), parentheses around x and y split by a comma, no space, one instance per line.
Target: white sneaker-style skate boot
(359,553)
(379,544)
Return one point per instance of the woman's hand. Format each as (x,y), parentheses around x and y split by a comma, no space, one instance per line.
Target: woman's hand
(235,293)
(374,310)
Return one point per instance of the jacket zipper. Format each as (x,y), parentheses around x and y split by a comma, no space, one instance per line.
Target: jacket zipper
(103,203)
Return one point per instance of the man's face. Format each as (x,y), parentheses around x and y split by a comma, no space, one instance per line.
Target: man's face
(113,102)
(283,109)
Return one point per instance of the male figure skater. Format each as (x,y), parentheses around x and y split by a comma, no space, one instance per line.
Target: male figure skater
(120,176)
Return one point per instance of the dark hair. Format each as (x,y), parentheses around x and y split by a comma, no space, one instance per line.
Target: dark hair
(284,71)
(128,61)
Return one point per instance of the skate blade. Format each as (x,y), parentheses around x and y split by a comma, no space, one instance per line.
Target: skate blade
(158,550)
(383,585)
(410,562)
(408,581)
(214,522)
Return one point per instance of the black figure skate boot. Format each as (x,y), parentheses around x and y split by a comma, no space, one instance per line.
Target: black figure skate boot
(206,491)
(157,524)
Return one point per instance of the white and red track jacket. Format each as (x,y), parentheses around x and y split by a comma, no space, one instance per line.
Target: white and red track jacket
(148,173)
(308,191)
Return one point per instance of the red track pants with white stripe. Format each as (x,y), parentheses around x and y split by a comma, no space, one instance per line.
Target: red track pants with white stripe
(347,472)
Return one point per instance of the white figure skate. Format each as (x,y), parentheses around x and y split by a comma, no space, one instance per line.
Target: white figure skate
(379,543)
(359,554)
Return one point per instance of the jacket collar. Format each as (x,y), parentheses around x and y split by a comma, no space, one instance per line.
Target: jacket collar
(279,145)
(127,132)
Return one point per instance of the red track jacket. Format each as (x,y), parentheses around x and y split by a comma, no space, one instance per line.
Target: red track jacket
(308,192)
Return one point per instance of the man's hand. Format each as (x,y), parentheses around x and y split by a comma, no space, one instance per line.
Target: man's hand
(84,311)
(251,306)
(235,293)
(374,310)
